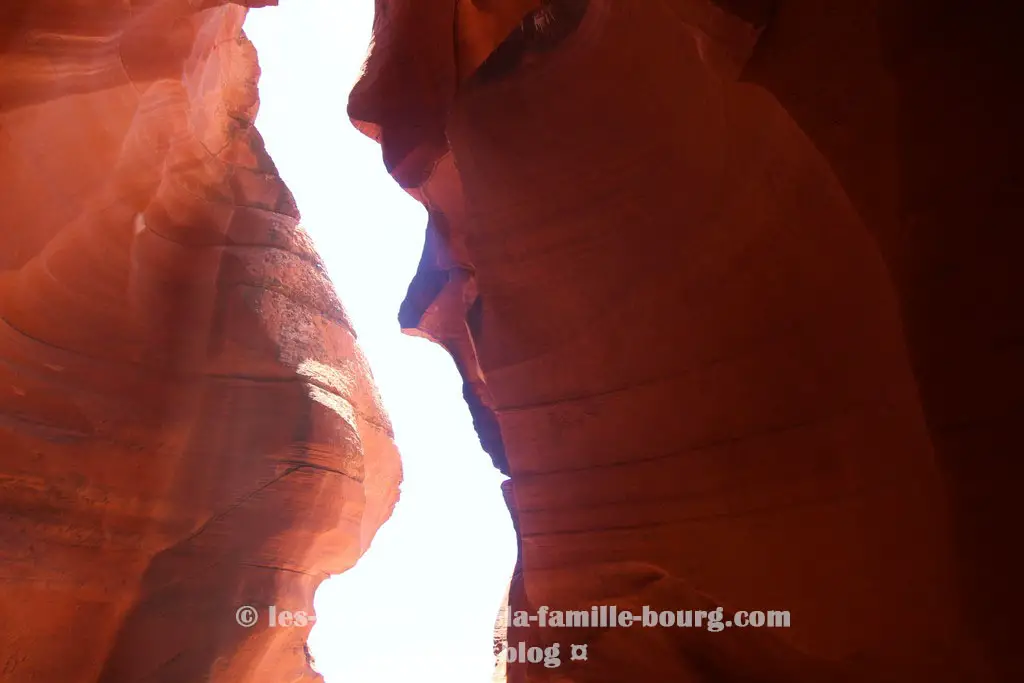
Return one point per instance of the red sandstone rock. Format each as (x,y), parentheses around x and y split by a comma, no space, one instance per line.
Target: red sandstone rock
(732,285)
(186,422)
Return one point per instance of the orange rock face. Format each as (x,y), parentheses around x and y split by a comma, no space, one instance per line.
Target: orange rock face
(732,287)
(731,284)
(187,425)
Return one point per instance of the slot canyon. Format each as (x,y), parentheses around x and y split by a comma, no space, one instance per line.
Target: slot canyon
(730,285)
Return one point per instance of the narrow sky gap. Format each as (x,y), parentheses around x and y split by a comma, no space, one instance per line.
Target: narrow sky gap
(425,596)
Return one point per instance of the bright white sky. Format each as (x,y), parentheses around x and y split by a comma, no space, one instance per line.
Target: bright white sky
(422,601)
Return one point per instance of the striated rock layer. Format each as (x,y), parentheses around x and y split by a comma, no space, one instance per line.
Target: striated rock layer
(186,422)
(732,287)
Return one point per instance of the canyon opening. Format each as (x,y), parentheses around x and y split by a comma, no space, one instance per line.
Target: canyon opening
(693,327)
(428,591)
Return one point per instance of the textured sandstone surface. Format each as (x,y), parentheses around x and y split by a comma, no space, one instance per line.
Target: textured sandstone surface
(732,286)
(186,422)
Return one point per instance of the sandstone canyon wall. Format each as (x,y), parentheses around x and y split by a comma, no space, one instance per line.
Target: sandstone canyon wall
(732,285)
(186,423)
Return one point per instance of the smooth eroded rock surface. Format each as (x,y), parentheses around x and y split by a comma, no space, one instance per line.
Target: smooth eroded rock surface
(731,283)
(733,288)
(186,422)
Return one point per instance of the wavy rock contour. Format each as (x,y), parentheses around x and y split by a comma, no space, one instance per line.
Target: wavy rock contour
(732,287)
(187,424)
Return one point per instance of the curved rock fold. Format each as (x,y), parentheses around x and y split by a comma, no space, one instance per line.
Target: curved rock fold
(187,424)
(742,318)
(730,283)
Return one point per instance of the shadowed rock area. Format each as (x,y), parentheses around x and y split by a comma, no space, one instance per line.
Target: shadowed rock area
(731,284)
(186,422)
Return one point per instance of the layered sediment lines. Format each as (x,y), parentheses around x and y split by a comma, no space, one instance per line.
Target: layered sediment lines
(187,424)
(731,287)
(730,283)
